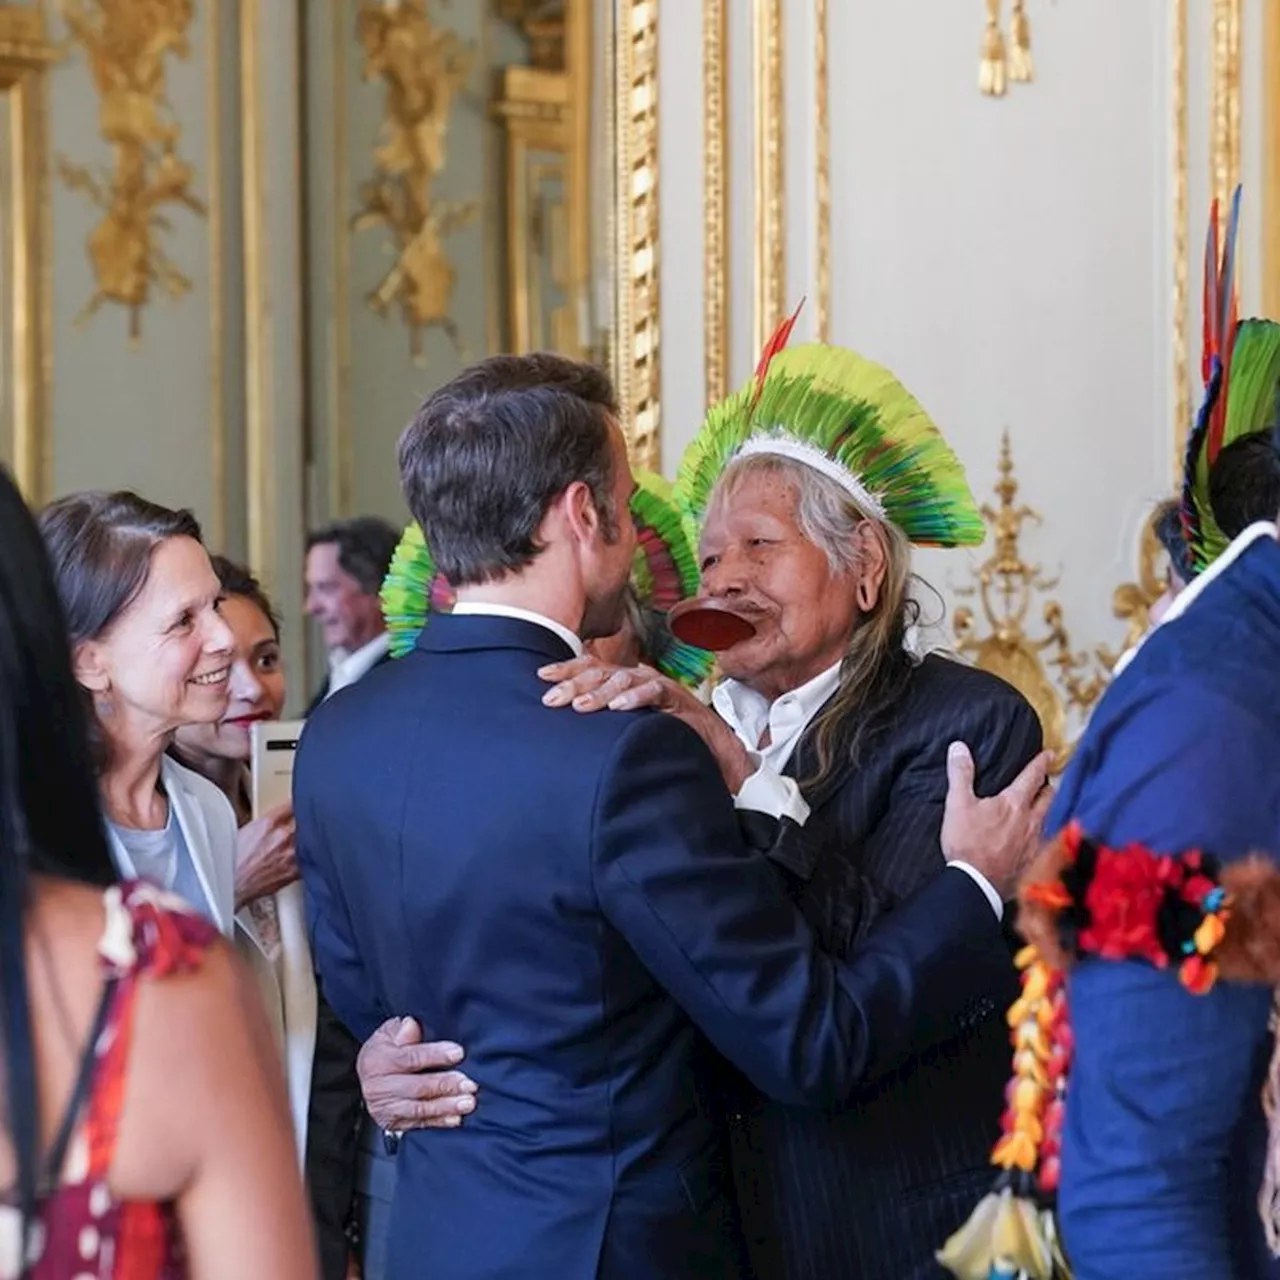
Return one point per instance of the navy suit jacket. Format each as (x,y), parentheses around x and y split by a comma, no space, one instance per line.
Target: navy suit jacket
(569,897)
(1163,1141)
(870,1190)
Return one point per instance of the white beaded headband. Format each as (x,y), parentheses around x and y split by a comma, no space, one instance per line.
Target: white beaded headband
(788,446)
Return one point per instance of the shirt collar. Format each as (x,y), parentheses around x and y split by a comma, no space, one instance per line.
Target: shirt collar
(346,668)
(479,608)
(1200,584)
(748,713)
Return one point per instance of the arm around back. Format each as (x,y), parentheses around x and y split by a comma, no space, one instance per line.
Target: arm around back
(712,924)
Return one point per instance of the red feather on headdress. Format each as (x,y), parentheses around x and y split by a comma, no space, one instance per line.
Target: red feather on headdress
(781,335)
(1221,316)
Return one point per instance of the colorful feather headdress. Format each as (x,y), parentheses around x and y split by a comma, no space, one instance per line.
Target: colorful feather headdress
(1240,364)
(664,573)
(853,421)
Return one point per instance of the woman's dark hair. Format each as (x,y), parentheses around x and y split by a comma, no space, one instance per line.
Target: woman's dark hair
(50,820)
(237,580)
(100,545)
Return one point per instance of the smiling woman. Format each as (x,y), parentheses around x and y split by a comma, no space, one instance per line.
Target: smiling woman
(151,652)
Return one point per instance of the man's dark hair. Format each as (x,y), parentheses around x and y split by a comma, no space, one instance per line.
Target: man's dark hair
(1167,523)
(1244,485)
(365,547)
(488,453)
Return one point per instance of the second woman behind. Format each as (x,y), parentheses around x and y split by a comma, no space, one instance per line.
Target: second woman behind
(271,916)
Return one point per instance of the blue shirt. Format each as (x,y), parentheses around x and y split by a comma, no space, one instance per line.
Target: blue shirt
(1164,1135)
(163,858)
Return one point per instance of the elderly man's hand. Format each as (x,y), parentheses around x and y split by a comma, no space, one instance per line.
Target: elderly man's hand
(589,685)
(997,836)
(408,1084)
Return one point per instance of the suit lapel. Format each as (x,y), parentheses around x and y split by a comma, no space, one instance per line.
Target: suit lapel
(195,831)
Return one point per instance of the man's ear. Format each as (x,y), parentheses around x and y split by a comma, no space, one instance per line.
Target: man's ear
(88,664)
(872,564)
(579,508)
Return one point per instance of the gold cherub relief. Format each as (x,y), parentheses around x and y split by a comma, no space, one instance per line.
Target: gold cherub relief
(423,67)
(126,42)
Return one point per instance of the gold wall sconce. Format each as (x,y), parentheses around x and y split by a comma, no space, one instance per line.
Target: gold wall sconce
(1005,60)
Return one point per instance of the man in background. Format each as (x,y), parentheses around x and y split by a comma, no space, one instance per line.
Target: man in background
(346,563)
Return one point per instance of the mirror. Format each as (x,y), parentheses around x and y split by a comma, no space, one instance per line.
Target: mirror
(477,178)
(24,368)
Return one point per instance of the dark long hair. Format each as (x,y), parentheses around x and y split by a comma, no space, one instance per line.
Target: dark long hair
(100,545)
(50,821)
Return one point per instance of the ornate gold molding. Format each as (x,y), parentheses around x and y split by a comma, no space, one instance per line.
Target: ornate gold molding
(217,298)
(260,469)
(1271,161)
(24,54)
(423,67)
(715,198)
(822,174)
(576,34)
(770,180)
(1006,585)
(126,46)
(545,109)
(1181,251)
(1224,160)
(635,226)
(341,453)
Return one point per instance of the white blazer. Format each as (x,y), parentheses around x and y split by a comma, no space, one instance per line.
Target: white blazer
(208,824)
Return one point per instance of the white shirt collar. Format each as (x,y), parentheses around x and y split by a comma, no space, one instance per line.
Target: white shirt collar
(1198,585)
(346,668)
(478,608)
(749,714)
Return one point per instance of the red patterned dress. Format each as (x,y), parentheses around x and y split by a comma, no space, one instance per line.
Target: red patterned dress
(83,1231)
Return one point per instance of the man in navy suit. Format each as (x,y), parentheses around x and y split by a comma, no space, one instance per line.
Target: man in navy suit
(570,897)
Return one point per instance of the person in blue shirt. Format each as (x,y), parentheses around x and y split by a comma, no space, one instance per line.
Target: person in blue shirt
(1159,1144)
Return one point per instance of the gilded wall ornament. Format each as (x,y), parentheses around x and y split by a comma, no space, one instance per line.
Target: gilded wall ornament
(127,43)
(422,67)
(1005,61)
(1006,587)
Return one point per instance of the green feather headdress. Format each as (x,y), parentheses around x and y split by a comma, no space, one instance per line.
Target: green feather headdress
(853,421)
(1240,364)
(411,590)
(664,573)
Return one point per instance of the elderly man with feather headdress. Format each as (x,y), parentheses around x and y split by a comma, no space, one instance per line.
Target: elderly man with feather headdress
(806,490)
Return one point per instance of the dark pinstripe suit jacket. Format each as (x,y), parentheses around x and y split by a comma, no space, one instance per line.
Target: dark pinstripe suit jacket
(869,1192)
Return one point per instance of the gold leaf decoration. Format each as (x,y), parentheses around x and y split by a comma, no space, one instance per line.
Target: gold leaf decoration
(127,43)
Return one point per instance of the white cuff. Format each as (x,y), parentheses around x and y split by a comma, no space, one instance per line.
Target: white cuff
(988,889)
(767,791)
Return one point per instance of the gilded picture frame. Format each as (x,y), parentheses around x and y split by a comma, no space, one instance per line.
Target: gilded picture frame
(25,320)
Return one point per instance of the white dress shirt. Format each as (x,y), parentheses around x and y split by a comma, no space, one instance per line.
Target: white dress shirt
(786,718)
(346,668)
(480,608)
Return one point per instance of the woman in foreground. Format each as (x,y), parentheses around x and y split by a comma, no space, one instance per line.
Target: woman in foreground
(145,1133)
